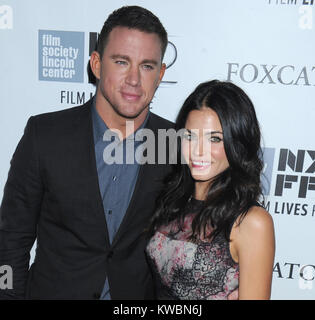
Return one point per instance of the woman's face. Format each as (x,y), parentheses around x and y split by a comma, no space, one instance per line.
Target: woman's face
(202,145)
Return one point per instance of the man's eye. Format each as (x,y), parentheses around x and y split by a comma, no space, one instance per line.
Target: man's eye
(148,67)
(120,62)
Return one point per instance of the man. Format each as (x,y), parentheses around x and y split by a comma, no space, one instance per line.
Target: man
(88,216)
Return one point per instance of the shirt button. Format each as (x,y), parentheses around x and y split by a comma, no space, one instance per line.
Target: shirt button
(96,295)
(110,211)
(114,178)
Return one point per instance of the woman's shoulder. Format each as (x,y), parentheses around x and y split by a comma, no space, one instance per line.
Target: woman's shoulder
(256,223)
(254,229)
(257,217)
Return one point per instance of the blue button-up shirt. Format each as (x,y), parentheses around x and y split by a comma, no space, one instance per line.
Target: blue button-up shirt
(116,180)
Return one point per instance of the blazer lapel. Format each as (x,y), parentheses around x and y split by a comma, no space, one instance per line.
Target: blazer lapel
(84,142)
(145,172)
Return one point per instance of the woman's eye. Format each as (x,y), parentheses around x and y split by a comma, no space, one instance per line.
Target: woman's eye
(190,136)
(215,139)
(187,136)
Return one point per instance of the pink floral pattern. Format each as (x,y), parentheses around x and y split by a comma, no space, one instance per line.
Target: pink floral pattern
(191,270)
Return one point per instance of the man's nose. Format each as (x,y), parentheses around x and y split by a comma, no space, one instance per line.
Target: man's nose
(133,76)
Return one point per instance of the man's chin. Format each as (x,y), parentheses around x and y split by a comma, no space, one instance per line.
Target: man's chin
(132,114)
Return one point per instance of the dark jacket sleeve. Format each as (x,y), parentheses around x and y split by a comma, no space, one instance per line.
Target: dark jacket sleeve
(19,212)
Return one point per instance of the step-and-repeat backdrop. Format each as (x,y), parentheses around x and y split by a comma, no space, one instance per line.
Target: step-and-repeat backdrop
(267,47)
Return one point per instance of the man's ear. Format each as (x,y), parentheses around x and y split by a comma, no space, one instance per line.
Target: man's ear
(162,71)
(95,63)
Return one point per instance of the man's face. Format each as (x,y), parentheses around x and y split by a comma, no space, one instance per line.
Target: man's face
(129,71)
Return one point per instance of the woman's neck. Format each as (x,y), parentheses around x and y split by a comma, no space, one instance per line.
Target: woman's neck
(201,190)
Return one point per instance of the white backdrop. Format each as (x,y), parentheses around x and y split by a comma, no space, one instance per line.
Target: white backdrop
(265,46)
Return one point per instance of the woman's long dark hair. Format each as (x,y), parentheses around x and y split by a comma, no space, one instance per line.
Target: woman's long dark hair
(234,190)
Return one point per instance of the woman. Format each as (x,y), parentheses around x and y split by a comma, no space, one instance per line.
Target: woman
(210,235)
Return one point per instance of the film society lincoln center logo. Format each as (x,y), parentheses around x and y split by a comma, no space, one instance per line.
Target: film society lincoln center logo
(61,56)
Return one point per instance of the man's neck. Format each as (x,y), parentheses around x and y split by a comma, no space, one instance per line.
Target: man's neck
(116,122)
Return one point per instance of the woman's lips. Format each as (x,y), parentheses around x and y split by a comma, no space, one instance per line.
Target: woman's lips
(201,165)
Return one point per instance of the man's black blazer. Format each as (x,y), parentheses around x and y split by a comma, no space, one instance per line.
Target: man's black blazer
(52,195)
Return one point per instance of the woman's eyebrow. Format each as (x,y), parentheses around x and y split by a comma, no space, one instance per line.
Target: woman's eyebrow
(213,132)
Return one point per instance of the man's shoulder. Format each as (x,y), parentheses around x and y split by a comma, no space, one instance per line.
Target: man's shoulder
(159,122)
(62,115)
